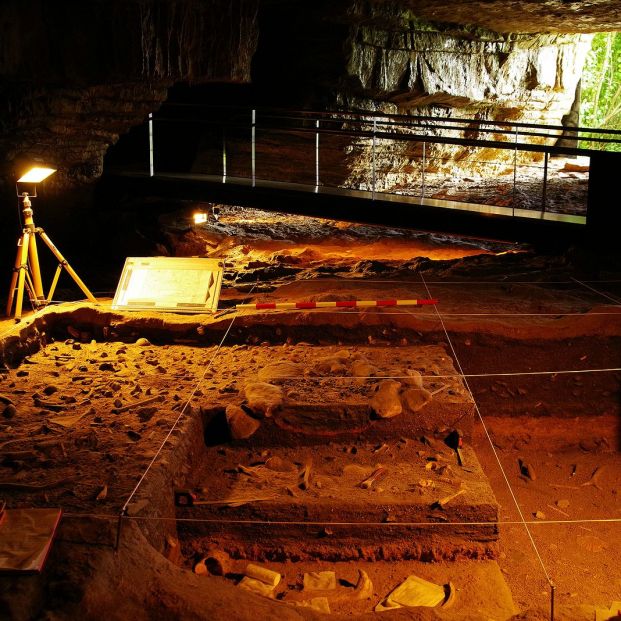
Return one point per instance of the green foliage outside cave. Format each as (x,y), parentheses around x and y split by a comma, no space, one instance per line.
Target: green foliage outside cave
(600,102)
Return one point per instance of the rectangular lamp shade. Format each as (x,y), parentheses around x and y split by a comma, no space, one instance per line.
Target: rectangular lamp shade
(36,175)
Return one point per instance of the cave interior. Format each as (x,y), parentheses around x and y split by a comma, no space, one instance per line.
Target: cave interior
(400,393)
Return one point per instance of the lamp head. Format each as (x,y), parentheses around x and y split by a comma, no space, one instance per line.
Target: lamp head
(200,217)
(27,184)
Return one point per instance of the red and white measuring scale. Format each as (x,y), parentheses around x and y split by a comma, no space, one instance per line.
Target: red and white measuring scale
(338,304)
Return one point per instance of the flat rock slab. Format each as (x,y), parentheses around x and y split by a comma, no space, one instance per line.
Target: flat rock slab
(259,505)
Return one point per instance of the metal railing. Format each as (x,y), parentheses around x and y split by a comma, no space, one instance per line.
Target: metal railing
(439,154)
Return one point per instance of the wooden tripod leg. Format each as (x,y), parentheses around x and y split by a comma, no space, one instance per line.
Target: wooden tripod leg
(23,266)
(59,269)
(63,262)
(18,262)
(35,270)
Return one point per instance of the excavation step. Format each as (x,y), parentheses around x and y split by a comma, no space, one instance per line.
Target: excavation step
(398,499)
(304,394)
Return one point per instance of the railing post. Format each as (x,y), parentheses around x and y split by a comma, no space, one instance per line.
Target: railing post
(317,155)
(514,173)
(373,161)
(254,170)
(545,182)
(224,155)
(422,188)
(151,156)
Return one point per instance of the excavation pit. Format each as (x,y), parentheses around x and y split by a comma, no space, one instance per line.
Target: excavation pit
(260,505)
(302,465)
(324,412)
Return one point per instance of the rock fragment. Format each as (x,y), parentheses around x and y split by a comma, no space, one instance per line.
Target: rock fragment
(273,373)
(386,402)
(319,581)
(263,398)
(240,424)
(415,399)
(413,379)
(364,586)
(9,412)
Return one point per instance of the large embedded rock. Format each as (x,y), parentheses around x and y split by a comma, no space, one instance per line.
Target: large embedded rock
(415,399)
(386,402)
(263,398)
(240,424)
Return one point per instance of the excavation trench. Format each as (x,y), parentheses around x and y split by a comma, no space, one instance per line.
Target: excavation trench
(332,475)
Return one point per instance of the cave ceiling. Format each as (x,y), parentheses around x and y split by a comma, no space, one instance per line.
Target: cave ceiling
(521,15)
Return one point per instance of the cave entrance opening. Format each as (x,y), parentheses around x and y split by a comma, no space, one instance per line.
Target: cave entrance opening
(599,92)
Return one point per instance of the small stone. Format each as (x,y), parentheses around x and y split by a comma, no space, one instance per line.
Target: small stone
(362,370)
(319,581)
(277,371)
(263,398)
(50,390)
(527,470)
(240,424)
(146,413)
(278,464)
(106,366)
(415,399)
(118,403)
(539,515)
(143,342)
(217,562)
(22,374)
(562,504)
(10,411)
(134,435)
(414,379)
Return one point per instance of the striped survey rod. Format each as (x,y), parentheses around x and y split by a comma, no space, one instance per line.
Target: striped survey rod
(339,304)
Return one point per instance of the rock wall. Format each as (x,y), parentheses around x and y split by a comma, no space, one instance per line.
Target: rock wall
(398,63)
(522,15)
(76,75)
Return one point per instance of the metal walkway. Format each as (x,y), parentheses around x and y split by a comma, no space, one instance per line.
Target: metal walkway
(309,163)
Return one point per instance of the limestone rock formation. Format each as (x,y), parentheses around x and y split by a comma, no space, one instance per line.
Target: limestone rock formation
(75,76)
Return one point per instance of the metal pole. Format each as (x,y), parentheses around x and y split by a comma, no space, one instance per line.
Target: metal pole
(151,166)
(545,182)
(422,192)
(254,154)
(317,155)
(224,155)
(552,594)
(373,161)
(514,173)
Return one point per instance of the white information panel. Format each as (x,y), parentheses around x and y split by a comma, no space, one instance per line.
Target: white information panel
(179,284)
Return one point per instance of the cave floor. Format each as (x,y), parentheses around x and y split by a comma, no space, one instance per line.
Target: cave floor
(541,357)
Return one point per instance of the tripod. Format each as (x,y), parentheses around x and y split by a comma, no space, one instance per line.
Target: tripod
(27,273)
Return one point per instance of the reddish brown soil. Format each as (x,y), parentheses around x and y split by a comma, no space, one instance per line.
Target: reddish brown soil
(552,422)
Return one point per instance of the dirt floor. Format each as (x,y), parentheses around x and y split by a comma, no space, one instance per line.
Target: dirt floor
(104,413)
